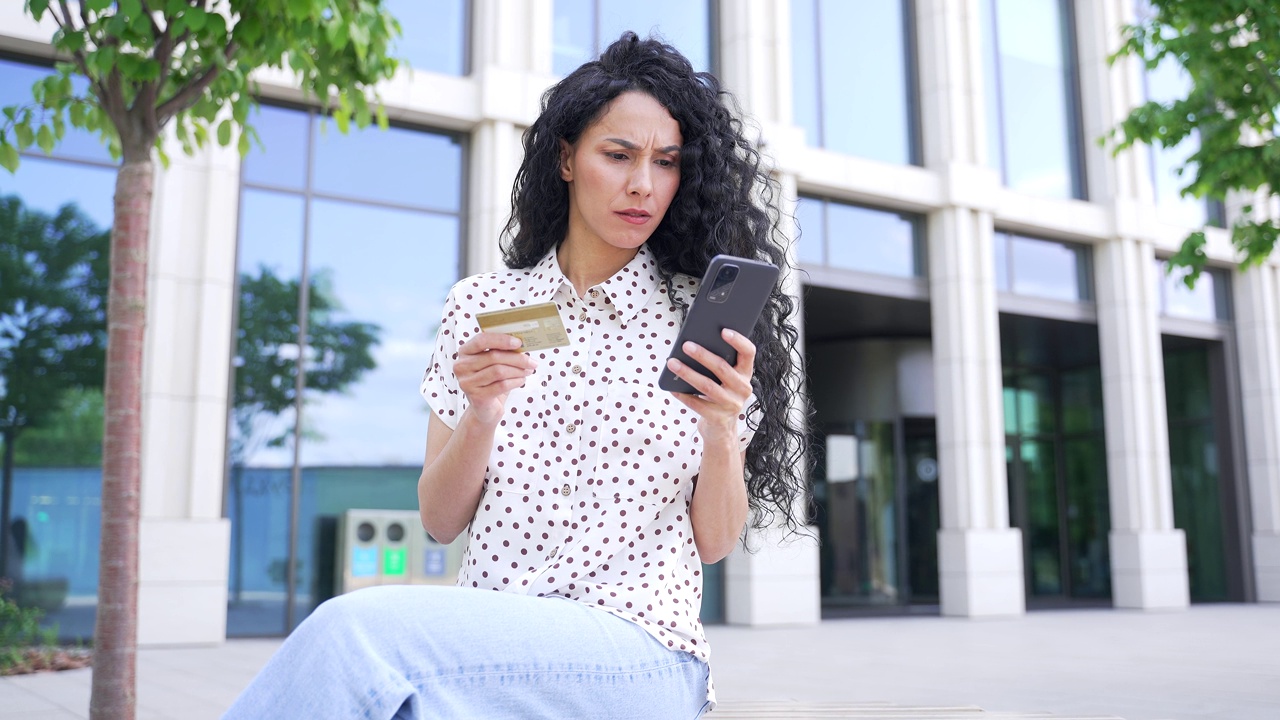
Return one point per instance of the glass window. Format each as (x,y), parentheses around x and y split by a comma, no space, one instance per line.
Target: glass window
(55,220)
(1032,126)
(434,34)
(859,238)
(1042,268)
(583,28)
(811,247)
(853,88)
(372,221)
(1209,300)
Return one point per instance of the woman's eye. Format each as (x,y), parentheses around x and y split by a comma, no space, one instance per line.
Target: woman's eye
(617,156)
(667,163)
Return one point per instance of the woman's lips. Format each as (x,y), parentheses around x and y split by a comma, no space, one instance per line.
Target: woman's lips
(634,217)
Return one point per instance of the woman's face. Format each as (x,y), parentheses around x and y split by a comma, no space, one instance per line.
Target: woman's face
(622,173)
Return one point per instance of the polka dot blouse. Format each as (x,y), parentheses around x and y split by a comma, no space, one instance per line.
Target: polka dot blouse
(590,478)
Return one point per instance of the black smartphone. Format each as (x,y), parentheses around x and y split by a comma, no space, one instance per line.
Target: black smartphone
(732,295)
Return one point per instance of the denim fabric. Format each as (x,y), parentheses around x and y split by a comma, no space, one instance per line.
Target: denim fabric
(444,652)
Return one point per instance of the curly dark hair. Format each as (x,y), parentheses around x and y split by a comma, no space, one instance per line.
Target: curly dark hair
(726,203)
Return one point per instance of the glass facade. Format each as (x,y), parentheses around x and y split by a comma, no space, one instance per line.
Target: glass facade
(582,28)
(853,77)
(1195,461)
(1042,268)
(851,237)
(1033,130)
(1209,300)
(1056,456)
(55,221)
(434,34)
(370,224)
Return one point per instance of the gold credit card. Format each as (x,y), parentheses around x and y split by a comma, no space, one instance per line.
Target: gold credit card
(538,326)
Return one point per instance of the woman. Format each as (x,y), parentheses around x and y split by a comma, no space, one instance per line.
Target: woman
(590,497)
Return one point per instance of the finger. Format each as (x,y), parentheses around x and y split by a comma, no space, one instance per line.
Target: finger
(729,375)
(486,341)
(746,350)
(484,377)
(704,385)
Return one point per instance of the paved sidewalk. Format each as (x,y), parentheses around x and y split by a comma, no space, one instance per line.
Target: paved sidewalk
(1219,662)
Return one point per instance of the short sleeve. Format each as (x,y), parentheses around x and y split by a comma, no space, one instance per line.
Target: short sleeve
(439,384)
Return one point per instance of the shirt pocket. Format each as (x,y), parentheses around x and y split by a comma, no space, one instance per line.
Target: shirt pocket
(649,449)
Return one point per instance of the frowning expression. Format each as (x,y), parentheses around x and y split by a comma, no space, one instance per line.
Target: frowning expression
(623,173)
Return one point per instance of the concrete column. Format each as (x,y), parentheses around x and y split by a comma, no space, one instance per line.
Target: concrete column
(185,541)
(494,159)
(1257,305)
(1148,555)
(979,555)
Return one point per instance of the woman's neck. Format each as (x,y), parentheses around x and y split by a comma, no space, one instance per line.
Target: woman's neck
(589,265)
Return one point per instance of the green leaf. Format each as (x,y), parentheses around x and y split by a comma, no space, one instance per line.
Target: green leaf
(37,8)
(224,133)
(243,145)
(196,18)
(97,5)
(45,139)
(383,121)
(9,157)
(24,135)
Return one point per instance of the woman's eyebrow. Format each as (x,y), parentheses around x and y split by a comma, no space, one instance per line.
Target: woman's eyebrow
(632,146)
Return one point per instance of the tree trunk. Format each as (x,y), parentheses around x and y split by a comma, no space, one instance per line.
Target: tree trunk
(115,632)
(6,506)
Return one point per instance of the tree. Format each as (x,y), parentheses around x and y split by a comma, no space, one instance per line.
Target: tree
(53,329)
(266,368)
(183,65)
(1230,50)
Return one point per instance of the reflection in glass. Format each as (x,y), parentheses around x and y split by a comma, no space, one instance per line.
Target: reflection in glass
(396,165)
(863,239)
(1031,96)
(377,273)
(55,220)
(434,34)
(1046,269)
(861,518)
(681,23)
(811,246)
(400,277)
(1207,301)
(852,82)
(1193,460)
(1088,514)
(282,159)
(16,80)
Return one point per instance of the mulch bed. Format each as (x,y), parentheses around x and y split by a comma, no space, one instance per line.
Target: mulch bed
(47,659)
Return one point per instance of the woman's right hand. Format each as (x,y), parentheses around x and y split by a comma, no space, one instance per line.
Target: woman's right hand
(488,368)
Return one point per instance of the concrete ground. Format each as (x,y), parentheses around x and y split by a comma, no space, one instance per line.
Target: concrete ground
(1214,662)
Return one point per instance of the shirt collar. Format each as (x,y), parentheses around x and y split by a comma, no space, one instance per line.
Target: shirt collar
(629,288)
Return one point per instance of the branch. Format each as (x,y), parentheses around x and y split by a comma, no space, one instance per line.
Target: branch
(183,98)
(67,21)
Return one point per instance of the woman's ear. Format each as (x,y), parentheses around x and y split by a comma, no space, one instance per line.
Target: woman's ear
(566,164)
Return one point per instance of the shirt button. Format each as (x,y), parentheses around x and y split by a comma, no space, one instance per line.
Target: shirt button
(565,490)
(572,428)
(576,370)
(583,316)
(595,293)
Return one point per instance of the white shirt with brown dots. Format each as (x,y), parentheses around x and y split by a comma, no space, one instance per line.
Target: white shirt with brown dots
(591,475)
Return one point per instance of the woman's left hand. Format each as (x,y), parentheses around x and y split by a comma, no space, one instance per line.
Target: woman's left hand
(718,405)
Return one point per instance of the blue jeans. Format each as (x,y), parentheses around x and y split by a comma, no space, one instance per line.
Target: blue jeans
(446,652)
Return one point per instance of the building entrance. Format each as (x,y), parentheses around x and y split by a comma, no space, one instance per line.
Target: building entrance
(876,476)
(1056,457)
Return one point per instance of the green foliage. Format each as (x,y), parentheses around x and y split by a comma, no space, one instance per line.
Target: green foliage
(266,368)
(187,62)
(53,302)
(1230,49)
(19,631)
(71,438)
